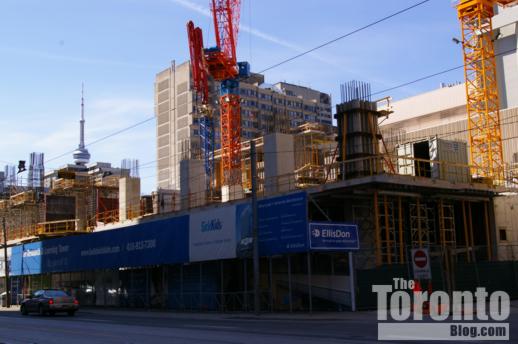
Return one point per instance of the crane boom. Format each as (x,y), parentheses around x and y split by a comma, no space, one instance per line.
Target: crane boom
(198,64)
(483,108)
(201,86)
(226,25)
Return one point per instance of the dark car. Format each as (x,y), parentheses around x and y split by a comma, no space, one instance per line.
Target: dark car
(49,301)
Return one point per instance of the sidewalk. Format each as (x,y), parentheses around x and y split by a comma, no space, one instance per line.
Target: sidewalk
(161,314)
(327,316)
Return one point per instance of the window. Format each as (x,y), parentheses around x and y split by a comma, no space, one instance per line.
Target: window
(502,234)
(55,293)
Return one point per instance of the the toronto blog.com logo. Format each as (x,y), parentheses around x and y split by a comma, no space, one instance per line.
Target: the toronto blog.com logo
(407,312)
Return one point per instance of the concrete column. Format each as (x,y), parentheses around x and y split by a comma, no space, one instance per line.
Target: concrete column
(193,183)
(279,163)
(231,192)
(129,198)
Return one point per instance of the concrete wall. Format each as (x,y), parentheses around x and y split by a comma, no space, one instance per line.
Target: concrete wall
(193,183)
(505,24)
(165,201)
(506,219)
(279,162)
(129,198)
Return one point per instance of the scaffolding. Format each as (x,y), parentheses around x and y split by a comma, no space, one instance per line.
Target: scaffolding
(447,224)
(387,227)
(420,231)
(315,148)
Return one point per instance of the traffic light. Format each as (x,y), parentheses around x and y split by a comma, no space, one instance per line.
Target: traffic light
(21,166)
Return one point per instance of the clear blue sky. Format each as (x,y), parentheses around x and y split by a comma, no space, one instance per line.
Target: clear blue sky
(47,48)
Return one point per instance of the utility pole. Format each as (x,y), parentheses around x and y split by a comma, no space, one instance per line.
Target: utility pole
(253,162)
(6,266)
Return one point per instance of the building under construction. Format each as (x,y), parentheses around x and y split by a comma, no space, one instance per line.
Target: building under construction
(74,199)
(194,251)
(307,176)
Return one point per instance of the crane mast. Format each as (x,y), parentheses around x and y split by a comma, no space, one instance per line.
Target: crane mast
(223,67)
(483,108)
(220,62)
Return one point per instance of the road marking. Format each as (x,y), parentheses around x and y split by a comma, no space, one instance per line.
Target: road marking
(212,327)
(93,320)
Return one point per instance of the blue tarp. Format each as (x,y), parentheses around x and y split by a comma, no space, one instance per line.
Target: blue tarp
(282,224)
(150,243)
(283,228)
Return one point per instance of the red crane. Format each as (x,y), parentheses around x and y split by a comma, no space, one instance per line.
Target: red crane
(220,62)
(198,63)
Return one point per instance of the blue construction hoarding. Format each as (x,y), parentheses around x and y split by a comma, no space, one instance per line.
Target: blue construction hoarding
(150,243)
(282,224)
(329,236)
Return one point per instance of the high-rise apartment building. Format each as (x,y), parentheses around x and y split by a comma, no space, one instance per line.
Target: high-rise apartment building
(265,108)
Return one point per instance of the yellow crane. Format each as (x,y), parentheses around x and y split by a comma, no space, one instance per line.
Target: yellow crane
(485,136)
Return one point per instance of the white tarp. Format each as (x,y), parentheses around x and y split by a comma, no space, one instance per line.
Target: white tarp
(2,266)
(212,234)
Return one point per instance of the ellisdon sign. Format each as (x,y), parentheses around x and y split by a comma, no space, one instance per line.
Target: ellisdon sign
(333,236)
(330,233)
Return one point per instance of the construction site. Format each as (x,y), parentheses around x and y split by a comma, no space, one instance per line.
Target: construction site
(449,188)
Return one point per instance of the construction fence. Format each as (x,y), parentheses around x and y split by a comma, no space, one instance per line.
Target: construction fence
(290,283)
(450,272)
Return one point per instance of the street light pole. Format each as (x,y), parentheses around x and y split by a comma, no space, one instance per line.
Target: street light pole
(253,162)
(6,266)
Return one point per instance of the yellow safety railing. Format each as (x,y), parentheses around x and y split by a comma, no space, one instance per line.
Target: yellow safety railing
(58,227)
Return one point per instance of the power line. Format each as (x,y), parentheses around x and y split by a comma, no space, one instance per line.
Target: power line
(273,66)
(433,75)
(372,94)
(345,35)
(105,137)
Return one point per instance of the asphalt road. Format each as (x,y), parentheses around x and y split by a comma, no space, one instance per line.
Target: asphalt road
(104,326)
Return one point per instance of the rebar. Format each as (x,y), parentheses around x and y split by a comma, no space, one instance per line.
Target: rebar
(355,90)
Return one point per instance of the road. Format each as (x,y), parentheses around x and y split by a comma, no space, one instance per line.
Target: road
(110,326)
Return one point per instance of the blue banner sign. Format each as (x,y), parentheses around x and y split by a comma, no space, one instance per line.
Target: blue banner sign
(163,241)
(282,225)
(333,236)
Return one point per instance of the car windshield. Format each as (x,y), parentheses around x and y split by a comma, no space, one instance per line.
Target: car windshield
(55,293)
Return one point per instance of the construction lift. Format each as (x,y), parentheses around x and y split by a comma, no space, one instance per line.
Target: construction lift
(485,136)
(220,63)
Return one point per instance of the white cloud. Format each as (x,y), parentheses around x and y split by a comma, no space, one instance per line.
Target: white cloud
(339,65)
(254,32)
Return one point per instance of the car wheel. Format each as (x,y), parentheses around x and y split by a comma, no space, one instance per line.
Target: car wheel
(40,310)
(23,310)
(71,313)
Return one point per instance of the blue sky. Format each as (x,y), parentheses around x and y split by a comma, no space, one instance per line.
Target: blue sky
(48,48)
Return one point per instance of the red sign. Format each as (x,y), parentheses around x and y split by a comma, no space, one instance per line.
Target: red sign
(420,258)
